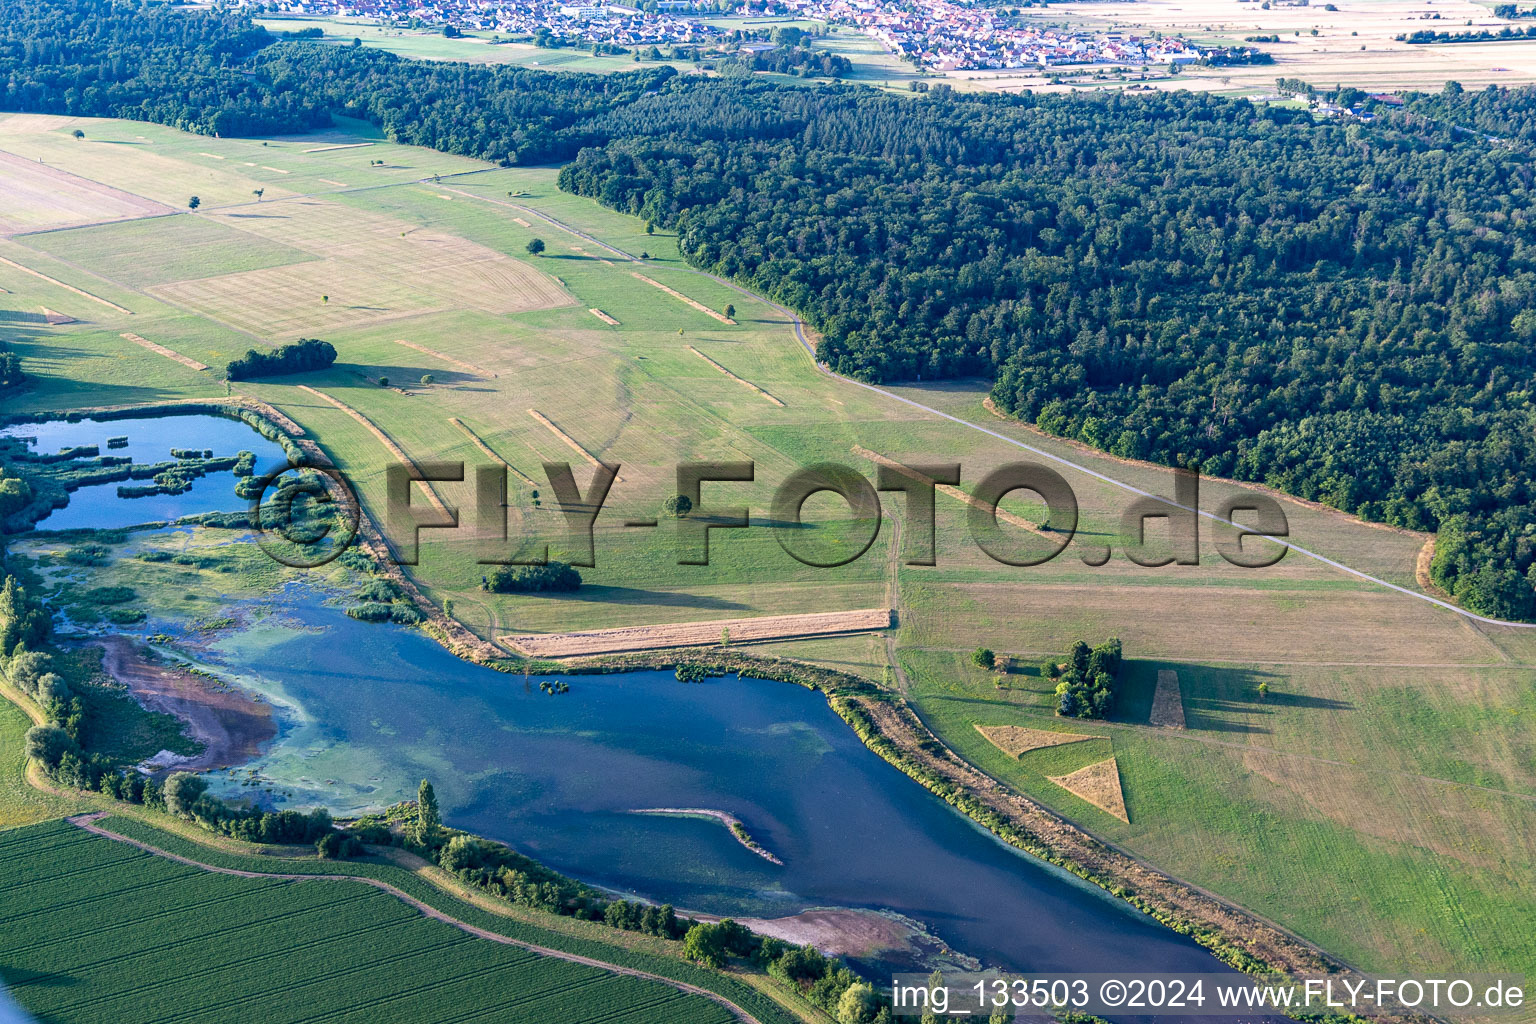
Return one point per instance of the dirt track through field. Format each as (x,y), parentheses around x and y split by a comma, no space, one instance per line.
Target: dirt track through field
(386,441)
(568,439)
(161,350)
(342,145)
(745,383)
(479,443)
(67,287)
(685,299)
(947,489)
(699,634)
(478,371)
(88,823)
(604,317)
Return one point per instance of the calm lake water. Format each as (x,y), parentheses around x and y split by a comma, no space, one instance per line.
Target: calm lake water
(150,440)
(374,708)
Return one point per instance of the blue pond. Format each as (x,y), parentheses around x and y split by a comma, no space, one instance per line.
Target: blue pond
(150,440)
(374,708)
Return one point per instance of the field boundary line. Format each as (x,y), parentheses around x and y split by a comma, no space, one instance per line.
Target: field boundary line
(568,439)
(67,287)
(478,371)
(163,351)
(342,145)
(696,304)
(490,452)
(948,489)
(88,822)
(740,380)
(387,441)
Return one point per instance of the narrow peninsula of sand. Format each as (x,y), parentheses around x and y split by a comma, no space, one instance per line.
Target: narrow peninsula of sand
(730,821)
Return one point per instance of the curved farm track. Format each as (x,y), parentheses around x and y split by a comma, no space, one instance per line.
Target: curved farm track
(88,823)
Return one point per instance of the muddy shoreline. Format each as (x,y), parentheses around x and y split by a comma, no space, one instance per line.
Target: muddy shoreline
(232,727)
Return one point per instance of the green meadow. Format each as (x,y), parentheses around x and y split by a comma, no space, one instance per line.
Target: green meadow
(1388,770)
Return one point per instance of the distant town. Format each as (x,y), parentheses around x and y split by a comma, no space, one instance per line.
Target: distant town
(935,35)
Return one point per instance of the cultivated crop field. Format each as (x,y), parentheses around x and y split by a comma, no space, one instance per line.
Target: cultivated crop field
(115,933)
(1390,756)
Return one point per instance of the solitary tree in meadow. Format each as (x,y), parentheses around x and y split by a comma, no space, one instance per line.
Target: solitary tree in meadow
(193,203)
(78,133)
(536,246)
(427,378)
(730,311)
(258,193)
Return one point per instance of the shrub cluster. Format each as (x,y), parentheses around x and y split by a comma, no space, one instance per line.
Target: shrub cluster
(509,579)
(1089,680)
(304,354)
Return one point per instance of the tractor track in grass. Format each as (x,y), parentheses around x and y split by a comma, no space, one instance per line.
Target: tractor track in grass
(88,822)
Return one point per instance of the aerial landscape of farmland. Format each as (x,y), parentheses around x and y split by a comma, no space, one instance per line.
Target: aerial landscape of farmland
(636,520)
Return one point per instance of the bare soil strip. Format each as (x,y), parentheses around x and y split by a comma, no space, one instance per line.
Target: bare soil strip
(386,441)
(699,634)
(604,317)
(479,443)
(328,181)
(55,318)
(1017,740)
(345,145)
(1167,702)
(519,220)
(274,170)
(211,156)
(67,287)
(743,382)
(1099,784)
(478,371)
(685,299)
(88,822)
(730,821)
(568,439)
(954,492)
(161,350)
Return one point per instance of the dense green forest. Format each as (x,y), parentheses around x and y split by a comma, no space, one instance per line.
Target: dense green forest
(1338,309)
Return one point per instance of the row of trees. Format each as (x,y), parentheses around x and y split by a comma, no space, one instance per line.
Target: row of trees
(300,356)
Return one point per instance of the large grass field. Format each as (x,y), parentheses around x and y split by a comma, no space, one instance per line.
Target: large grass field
(98,930)
(1388,771)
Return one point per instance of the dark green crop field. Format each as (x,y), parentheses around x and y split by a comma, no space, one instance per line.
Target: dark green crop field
(94,930)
